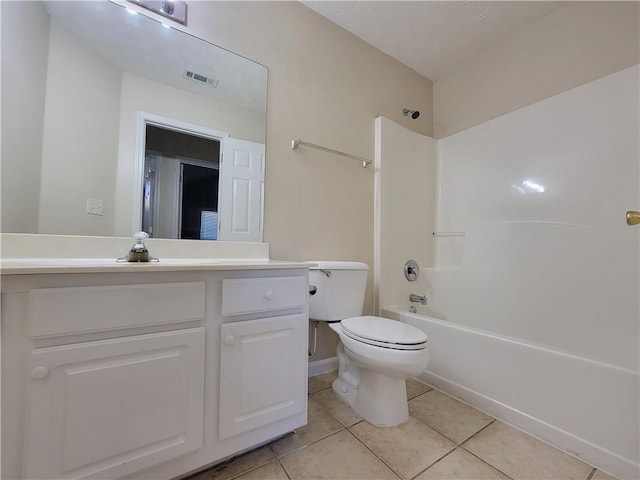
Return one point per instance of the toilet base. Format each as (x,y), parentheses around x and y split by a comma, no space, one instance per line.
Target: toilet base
(377,397)
(382,399)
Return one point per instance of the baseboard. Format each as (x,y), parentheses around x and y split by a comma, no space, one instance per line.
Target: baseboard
(325,365)
(565,441)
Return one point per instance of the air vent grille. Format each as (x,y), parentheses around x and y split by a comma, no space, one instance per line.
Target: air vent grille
(202,79)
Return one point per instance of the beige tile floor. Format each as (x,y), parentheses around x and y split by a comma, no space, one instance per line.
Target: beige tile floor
(444,439)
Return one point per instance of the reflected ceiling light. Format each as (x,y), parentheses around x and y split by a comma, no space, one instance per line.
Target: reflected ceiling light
(175,10)
(529,186)
(533,186)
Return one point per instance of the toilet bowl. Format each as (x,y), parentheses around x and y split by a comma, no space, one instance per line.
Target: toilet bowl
(375,355)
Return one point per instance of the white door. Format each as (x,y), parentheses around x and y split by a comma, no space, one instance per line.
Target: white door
(108,408)
(263,372)
(240,204)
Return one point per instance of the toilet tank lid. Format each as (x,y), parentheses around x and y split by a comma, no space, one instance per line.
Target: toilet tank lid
(333,265)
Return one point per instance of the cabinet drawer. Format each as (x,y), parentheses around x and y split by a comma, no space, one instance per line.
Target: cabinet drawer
(242,296)
(65,311)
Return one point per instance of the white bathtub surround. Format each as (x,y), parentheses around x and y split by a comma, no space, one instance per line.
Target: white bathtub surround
(405,195)
(542,289)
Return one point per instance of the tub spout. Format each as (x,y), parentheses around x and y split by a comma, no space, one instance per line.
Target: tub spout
(418,298)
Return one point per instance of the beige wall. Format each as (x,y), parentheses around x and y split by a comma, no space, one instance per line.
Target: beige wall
(572,45)
(326,87)
(25,36)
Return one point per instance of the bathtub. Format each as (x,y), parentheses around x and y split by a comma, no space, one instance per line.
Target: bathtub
(587,408)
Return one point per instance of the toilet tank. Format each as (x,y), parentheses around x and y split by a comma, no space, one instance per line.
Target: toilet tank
(340,290)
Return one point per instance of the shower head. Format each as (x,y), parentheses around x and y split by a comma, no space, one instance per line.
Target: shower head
(413,113)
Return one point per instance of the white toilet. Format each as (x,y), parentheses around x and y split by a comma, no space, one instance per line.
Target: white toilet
(375,355)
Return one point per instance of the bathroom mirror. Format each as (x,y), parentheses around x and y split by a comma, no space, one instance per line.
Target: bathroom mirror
(120,104)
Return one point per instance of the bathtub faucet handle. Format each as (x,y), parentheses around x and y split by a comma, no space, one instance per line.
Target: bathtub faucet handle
(418,298)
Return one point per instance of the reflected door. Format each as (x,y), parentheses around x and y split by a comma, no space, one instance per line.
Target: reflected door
(241,191)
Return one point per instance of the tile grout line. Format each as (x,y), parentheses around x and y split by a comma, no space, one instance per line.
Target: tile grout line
(321,405)
(460,444)
(375,454)
(269,445)
(441,433)
(484,461)
(333,416)
(475,434)
(283,467)
(317,391)
(535,437)
(437,461)
(307,444)
(480,458)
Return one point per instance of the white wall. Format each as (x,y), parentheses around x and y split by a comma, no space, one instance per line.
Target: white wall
(80,137)
(25,37)
(405,209)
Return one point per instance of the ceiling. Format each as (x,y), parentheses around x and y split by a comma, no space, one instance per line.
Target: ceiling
(432,37)
(142,46)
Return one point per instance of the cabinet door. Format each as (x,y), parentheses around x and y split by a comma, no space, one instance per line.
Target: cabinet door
(263,372)
(109,408)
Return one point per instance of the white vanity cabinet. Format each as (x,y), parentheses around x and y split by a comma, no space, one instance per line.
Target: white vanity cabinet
(112,407)
(149,375)
(101,401)
(260,367)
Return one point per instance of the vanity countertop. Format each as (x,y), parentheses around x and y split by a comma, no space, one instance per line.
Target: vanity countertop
(32,266)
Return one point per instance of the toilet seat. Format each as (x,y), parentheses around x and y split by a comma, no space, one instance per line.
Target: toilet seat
(385,333)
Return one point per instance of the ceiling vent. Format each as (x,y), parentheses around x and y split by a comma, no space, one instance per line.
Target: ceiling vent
(196,77)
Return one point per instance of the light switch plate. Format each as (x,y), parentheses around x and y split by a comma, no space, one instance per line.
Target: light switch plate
(94,206)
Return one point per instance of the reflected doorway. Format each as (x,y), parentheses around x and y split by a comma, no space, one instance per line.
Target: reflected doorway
(181,184)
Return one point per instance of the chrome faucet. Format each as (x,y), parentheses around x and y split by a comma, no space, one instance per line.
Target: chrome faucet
(138,252)
(418,298)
